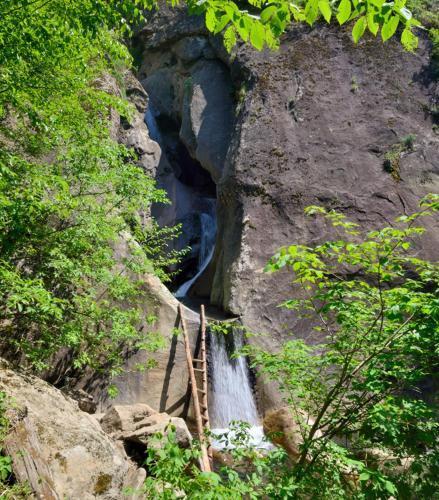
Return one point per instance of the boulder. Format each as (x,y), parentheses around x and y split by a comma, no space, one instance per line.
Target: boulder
(85,401)
(155,431)
(285,430)
(191,48)
(59,450)
(139,423)
(121,419)
(208,115)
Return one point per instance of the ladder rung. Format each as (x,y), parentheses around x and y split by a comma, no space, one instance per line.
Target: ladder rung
(199,370)
(198,360)
(202,391)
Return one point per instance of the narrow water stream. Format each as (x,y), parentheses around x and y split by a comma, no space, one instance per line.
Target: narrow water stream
(207,245)
(230,393)
(192,195)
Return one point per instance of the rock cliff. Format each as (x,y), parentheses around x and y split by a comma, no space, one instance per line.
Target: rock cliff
(278,131)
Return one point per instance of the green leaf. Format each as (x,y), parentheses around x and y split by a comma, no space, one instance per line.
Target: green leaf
(211,20)
(377,3)
(243,28)
(257,36)
(390,487)
(389,27)
(221,24)
(409,40)
(406,14)
(344,11)
(230,38)
(271,40)
(359,29)
(268,13)
(325,9)
(311,12)
(372,24)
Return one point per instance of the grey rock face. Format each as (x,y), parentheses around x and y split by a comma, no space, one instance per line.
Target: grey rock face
(139,423)
(190,86)
(314,122)
(208,115)
(308,136)
(61,451)
(190,49)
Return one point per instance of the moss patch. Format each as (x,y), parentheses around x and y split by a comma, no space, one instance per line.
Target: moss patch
(392,159)
(102,484)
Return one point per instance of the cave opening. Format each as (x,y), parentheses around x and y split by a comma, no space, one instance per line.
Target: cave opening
(192,193)
(186,169)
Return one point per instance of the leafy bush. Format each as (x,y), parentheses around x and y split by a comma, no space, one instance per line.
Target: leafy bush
(72,244)
(374,304)
(356,395)
(173,472)
(9,490)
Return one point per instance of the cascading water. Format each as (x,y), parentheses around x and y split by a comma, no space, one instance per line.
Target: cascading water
(207,245)
(231,396)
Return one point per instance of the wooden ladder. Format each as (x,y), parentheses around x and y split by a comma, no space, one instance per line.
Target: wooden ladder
(200,407)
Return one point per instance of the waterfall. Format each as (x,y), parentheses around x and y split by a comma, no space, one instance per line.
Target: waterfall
(151,123)
(230,395)
(207,245)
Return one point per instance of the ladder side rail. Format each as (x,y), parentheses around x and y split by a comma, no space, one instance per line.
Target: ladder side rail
(204,377)
(205,463)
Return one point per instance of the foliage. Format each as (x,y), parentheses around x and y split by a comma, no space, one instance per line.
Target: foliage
(266,21)
(222,327)
(393,155)
(374,305)
(427,11)
(8,490)
(173,471)
(72,243)
(5,461)
(356,397)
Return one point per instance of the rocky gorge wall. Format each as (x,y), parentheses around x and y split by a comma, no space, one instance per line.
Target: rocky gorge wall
(268,134)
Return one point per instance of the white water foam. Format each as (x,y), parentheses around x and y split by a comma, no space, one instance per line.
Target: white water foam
(256,439)
(231,396)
